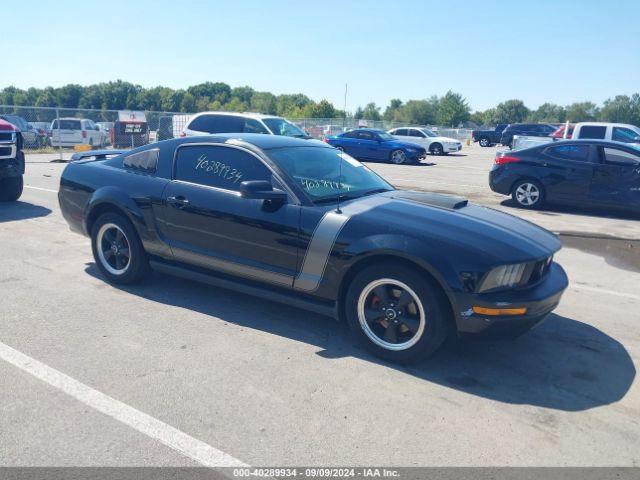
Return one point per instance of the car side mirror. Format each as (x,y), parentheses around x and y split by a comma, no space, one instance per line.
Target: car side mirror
(262,190)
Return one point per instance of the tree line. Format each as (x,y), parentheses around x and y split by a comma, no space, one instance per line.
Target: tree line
(451,109)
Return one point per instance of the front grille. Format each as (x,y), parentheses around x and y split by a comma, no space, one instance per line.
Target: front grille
(4,151)
(6,136)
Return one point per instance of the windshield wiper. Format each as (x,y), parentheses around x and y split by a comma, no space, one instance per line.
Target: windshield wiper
(375,190)
(335,198)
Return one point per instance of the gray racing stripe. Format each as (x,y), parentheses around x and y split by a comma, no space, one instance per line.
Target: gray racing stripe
(323,239)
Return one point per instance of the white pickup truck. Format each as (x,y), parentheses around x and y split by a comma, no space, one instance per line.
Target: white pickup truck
(618,132)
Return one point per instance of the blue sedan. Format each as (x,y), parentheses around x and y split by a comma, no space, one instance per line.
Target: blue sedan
(369,144)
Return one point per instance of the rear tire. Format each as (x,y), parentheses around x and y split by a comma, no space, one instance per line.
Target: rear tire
(484,142)
(11,189)
(117,249)
(528,193)
(396,313)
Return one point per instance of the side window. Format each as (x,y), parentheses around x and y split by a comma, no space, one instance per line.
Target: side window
(415,133)
(618,157)
(577,153)
(365,136)
(146,161)
(621,134)
(593,131)
(229,124)
(203,123)
(221,167)
(253,126)
(401,132)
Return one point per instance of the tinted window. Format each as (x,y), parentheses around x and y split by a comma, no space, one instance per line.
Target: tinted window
(416,133)
(279,126)
(353,134)
(621,134)
(16,121)
(365,136)
(613,155)
(253,126)
(579,153)
(146,161)
(217,124)
(402,132)
(222,167)
(67,124)
(597,132)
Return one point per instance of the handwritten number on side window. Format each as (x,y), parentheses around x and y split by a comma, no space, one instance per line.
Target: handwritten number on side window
(218,168)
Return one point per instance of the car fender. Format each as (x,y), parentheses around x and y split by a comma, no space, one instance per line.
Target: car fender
(117,197)
(412,249)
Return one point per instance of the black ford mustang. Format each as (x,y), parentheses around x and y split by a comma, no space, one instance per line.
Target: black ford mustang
(298,221)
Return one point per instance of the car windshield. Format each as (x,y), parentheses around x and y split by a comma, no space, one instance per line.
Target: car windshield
(326,173)
(385,136)
(279,126)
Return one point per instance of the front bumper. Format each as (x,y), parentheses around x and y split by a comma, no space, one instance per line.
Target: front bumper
(416,155)
(451,148)
(539,300)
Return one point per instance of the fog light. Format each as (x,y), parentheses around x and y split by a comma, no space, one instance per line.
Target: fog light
(499,311)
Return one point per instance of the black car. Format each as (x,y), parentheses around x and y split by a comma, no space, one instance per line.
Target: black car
(579,172)
(525,129)
(488,138)
(298,221)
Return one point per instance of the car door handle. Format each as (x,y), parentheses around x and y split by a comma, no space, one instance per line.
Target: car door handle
(177,202)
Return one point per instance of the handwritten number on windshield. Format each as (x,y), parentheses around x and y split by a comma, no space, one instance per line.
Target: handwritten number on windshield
(218,168)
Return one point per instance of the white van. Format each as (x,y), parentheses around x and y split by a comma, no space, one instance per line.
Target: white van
(68,132)
(618,132)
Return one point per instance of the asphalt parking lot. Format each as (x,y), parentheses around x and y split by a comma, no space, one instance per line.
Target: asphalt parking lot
(176,373)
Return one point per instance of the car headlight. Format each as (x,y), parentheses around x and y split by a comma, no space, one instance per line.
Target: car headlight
(504,276)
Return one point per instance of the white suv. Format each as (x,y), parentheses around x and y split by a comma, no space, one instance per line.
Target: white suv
(68,132)
(206,123)
(424,137)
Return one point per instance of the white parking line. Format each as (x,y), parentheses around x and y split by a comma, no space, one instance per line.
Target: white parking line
(604,290)
(40,188)
(172,437)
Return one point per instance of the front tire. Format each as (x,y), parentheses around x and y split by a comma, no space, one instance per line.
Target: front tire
(398,157)
(11,189)
(117,249)
(396,313)
(436,149)
(528,193)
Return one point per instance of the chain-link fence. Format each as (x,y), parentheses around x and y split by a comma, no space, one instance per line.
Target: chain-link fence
(51,129)
(322,127)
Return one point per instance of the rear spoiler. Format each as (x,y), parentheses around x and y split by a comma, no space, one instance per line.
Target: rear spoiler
(96,154)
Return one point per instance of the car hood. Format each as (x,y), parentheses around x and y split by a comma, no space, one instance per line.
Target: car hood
(499,237)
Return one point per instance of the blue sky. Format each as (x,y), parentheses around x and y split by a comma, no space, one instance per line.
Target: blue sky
(560,50)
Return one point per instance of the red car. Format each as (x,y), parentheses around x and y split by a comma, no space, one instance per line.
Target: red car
(11,162)
(559,133)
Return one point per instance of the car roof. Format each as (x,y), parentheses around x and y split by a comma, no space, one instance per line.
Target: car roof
(372,130)
(592,141)
(259,140)
(606,124)
(237,114)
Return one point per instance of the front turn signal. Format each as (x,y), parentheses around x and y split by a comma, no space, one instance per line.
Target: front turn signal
(499,311)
